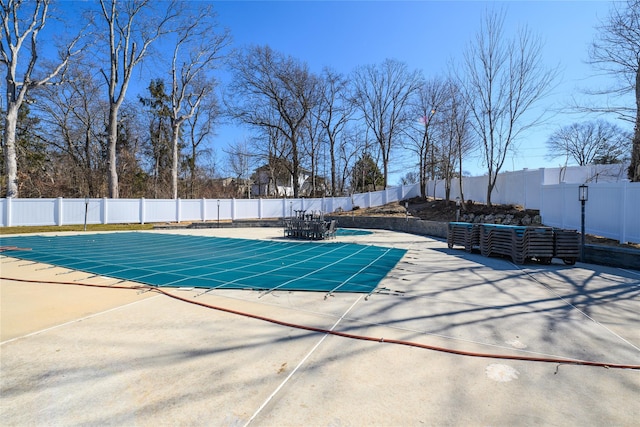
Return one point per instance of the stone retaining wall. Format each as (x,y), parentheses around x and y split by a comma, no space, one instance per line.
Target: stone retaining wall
(407,225)
(615,257)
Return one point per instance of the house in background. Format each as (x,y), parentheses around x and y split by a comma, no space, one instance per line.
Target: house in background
(271,182)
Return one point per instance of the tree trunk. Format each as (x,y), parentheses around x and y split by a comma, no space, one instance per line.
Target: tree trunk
(112,148)
(10,160)
(634,168)
(385,165)
(333,170)
(175,128)
(490,185)
(295,163)
(460,178)
(424,180)
(447,185)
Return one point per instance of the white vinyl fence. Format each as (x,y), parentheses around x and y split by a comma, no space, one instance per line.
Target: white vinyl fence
(613,208)
(524,187)
(59,211)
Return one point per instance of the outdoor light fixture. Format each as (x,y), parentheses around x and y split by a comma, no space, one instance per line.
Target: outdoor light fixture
(458,202)
(218,213)
(583,196)
(583,193)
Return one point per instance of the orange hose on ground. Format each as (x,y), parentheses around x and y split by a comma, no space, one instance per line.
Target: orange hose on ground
(344,334)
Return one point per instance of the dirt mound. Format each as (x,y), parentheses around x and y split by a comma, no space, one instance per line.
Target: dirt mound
(441,210)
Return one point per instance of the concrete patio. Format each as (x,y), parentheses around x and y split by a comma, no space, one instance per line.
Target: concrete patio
(73,355)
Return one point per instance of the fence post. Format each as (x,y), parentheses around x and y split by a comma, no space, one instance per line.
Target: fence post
(566,198)
(541,204)
(142,210)
(8,213)
(260,208)
(105,211)
(59,213)
(623,213)
(203,209)
(233,209)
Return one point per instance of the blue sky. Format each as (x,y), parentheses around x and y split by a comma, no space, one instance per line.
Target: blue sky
(425,35)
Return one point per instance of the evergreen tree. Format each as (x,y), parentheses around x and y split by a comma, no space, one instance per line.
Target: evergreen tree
(366,175)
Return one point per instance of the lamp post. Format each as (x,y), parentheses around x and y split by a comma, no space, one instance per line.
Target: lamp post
(86,211)
(583,196)
(457,209)
(218,213)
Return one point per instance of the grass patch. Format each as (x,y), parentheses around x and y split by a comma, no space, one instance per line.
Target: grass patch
(80,227)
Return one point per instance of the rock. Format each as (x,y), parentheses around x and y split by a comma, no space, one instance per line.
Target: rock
(526,220)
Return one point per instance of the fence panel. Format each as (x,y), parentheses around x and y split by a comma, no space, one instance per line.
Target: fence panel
(245,208)
(602,215)
(223,206)
(34,212)
(610,211)
(336,203)
(360,200)
(410,191)
(190,209)
(556,209)
(72,209)
(631,213)
(154,210)
(126,211)
(376,198)
(272,208)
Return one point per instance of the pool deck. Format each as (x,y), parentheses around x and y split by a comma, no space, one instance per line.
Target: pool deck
(72,355)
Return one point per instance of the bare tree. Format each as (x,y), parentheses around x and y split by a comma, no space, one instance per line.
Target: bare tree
(273,92)
(312,141)
(616,51)
(503,79)
(429,100)
(75,114)
(22,23)
(241,161)
(588,142)
(199,128)
(132,26)
(197,51)
(461,129)
(382,93)
(455,139)
(334,111)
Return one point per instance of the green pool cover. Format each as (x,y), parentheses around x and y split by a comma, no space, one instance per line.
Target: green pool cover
(213,262)
(352,232)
